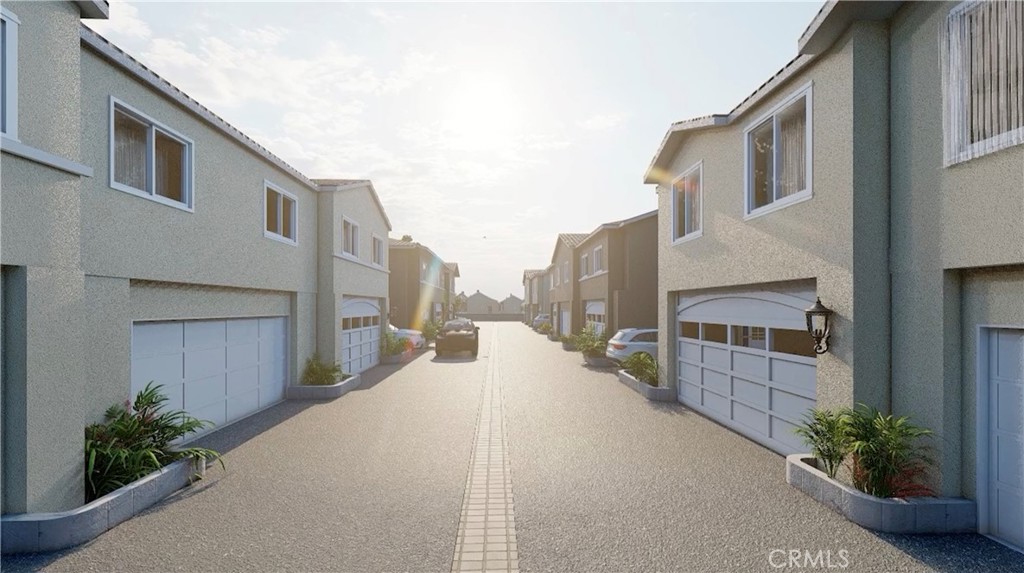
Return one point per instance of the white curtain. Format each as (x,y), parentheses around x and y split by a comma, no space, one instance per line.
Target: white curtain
(792,150)
(129,151)
(170,168)
(982,55)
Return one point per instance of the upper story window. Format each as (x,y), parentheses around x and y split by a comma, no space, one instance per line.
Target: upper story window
(350,237)
(565,272)
(778,155)
(687,200)
(9,73)
(378,251)
(558,278)
(982,48)
(598,259)
(584,266)
(280,214)
(149,159)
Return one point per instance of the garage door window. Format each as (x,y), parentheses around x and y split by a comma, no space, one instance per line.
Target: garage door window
(689,330)
(791,342)
(714,333)
(749,336)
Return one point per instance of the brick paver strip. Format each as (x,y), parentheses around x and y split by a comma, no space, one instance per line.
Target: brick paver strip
(486,539)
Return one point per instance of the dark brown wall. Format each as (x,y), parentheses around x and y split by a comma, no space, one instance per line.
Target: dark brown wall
(637,299)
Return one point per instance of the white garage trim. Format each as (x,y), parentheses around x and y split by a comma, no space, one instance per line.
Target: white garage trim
(983,430)
(770,308)
(360,327)
(359,306)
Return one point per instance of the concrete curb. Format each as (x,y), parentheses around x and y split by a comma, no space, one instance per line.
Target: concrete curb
(43,532)
(888,515)
(598,361)
(653,393)
(330,392)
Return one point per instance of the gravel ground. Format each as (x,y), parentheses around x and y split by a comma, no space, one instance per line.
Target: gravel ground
(607,481)
(603,481)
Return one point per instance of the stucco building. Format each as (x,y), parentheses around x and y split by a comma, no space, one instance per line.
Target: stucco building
(862,173)
(563,296)
(421,285)
(535,294)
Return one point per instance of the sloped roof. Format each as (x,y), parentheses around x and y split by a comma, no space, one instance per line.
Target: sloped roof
(330,185)
(619,224)
(453,268)
(400,244)
(572,239)
(530,273)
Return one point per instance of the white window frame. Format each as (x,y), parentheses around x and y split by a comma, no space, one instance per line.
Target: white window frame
(375,240)
(956,83)
(354,253)
(598,260)
(10,79)
(678,237)
(584,266)
(805,91)
(188,180)
(267,184)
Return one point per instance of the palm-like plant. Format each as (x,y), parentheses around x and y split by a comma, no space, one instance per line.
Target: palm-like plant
(887,459)
(135,440)
(825,432)
(643,367)
(319,373)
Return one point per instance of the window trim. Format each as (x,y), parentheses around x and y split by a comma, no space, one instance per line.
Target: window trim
(189,180)
(598,259)
(373,251)
(676,237)
(10,81)
(267,184)
(807,91)
(567,272)
(344,252)
(584,266)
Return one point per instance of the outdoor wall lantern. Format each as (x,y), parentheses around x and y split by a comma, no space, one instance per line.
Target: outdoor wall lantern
(818,326)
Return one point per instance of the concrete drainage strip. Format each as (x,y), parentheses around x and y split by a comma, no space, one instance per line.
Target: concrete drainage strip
(42,532)
(888,515)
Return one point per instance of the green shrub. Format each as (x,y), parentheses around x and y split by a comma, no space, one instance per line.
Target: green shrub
(590,343)
(544,328)
(431,328)
(134,440)
(887,459)
(318,373)
(825,432)
(643,367)
(392,345)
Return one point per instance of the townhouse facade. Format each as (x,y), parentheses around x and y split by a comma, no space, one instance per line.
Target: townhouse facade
(563,295)
(860,176)
(618,275)
(535,294)
(421,285)
(479,303)
(147,240)
(511,304)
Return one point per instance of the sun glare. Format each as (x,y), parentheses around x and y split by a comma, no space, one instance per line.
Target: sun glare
(482,112)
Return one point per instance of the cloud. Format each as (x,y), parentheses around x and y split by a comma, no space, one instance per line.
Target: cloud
(124,22)
(602,122)
(384,16)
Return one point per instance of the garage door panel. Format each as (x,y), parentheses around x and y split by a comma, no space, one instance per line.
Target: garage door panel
(1008,461)
(157,338)
(716,381)
(749,364)
(203,363)
(689,373)
(215,413)
(271,393)
(205,391)
(243,404)
(243,331)
(752,418)
(175,395)
(798,376)
(716,357)
(790,405)
(715,402)
(782,431)
(165,369)
(689,392)
(205,334)
(243,355)
(272,372)
(689,351)
(1009,362)
(747,390)
(243,380)
(272,349)
(1008,416)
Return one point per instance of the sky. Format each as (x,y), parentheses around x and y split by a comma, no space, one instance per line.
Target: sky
(487,129)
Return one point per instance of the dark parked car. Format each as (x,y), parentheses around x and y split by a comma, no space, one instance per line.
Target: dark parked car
(456,335)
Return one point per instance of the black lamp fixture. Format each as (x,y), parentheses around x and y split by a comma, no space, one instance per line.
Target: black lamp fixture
(818,326)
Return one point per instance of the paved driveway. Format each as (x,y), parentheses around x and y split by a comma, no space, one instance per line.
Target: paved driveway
(602,481)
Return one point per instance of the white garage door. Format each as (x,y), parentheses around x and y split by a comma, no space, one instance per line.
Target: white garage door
(1006,436)
(216,370)
(746,361)
(360,334)
(563,323)
(594,315)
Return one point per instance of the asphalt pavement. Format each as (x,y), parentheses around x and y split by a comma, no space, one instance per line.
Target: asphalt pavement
(603,481)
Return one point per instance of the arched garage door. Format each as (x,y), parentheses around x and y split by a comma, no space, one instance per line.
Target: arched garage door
(746,361)
(360,334)
(594,315)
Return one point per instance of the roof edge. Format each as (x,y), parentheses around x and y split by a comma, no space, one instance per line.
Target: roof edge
(335,185)
(94,9)
(835,17)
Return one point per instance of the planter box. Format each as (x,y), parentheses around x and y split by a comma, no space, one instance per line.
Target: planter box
(888,515)
(568,346)
(598,361)
(653,393)
(328,392)
(41,532)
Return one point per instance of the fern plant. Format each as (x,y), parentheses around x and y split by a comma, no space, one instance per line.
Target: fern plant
(643,367)
(590,343)
(319,373)
(392,345)
(825,432)
(135,439)
(887,459)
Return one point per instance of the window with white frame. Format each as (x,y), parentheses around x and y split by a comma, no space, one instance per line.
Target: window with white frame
(378,251)
(584,266)
(778,155)
(598,259)
(9,73)
(149,159)
(350,237)
(687,197)
(982,50)
(567,277)
(280,214)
